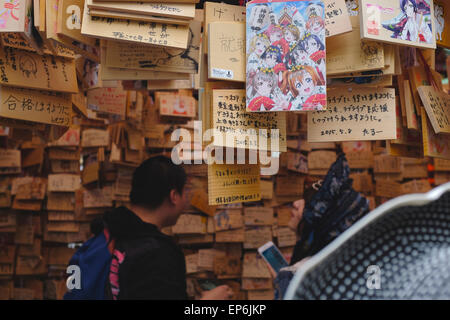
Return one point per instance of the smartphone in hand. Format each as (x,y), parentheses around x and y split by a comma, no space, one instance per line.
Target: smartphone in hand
(272,255)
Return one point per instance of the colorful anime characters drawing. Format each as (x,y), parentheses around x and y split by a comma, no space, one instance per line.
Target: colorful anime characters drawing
(352,7)
(413,23)
(286,56)
(440,21)
(10,10)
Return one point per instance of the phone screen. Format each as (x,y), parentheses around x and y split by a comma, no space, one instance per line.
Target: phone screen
(275,258)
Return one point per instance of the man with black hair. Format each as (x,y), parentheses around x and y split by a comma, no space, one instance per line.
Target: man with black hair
(147,264)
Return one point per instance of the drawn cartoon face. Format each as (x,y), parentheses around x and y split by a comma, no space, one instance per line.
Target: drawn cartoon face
(301,56)
(260,47)
(27,65)
(352,7)
(271,59)
(263,88)
(316,27)
(409,9)
(440,21)
(306,87)
(312,46)
(289,36)
(275,36)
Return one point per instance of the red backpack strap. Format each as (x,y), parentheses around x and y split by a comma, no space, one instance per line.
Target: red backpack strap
(111,242)
(117,259)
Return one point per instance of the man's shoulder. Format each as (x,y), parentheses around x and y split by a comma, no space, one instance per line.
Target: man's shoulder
(150,246)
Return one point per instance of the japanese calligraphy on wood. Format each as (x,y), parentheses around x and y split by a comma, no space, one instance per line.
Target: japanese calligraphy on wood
(142,57)
(108,100)
(37,106)
(337,19)
(221,12)
(437,105)
(180,11)
(134,31)
(363,114)
(232,183)
(231,118)
(226,58)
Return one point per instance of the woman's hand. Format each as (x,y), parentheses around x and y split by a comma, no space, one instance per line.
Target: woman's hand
(281,104)
(223,292)
(296,214)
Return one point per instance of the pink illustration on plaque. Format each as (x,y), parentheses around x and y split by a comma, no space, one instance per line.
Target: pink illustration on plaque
(7,11)
(373,27)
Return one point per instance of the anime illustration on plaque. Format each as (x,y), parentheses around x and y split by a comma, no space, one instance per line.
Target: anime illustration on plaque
(442,15)
(409,22)
(286,56)
(352,7)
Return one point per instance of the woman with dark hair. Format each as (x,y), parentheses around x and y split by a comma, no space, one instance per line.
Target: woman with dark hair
(327,210)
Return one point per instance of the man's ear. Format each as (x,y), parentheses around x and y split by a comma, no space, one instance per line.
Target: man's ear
(173,196)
